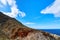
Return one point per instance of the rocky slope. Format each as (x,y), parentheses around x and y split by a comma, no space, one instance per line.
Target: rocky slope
(11,29)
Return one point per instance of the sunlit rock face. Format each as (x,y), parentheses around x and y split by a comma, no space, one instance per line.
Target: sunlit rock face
(11,29)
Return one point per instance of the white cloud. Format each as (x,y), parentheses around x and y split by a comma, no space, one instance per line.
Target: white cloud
(53,9)
(3,1)
(14,10)
(22,14)
(29,23)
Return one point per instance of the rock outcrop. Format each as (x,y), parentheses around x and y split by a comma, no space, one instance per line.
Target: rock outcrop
(11,29)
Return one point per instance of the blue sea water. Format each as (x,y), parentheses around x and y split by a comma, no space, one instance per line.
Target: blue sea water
(53,31)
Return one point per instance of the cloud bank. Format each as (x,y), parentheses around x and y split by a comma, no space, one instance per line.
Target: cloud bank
(53,9)
(29,23)
(14,10)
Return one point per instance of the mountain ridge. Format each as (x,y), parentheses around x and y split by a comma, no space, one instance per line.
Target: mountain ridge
(12,29)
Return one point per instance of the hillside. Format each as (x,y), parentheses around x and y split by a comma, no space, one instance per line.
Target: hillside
(11,29)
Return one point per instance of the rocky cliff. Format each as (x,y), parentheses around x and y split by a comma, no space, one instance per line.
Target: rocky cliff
(11,29)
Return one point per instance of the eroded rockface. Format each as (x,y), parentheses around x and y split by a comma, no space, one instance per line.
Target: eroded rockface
(11,29)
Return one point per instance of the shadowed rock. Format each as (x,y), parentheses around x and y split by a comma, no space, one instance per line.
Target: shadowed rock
(12,29)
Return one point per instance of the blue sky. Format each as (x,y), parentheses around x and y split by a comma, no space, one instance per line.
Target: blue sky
(38,14)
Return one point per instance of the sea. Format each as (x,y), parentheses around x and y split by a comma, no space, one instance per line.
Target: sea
(53,31)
